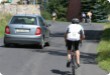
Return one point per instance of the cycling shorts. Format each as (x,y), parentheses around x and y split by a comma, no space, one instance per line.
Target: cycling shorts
(72,45)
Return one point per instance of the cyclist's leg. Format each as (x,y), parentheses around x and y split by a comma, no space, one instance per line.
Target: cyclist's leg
(90,21)
(77,56)
(69,46)
(54,18)
(77,52)
(83,20)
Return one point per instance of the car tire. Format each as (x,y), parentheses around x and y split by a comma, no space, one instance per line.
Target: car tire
(6,45)
(47,44)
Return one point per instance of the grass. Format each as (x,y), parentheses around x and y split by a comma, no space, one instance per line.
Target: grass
(4,18)
(104,49)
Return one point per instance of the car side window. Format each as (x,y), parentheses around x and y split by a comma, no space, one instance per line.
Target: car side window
(41,21)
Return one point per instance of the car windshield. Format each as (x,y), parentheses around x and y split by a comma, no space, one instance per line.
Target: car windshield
(24,20)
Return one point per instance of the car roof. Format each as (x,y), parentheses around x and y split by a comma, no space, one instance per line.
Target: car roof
(31,15)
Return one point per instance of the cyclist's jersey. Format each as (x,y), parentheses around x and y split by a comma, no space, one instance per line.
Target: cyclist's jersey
(74,31)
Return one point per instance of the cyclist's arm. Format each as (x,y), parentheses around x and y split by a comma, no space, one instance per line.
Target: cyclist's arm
(82,35)
(65,35)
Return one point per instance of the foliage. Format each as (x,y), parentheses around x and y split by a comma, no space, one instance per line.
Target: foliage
(99,12)
(20,2)
(103,49)
(59,6)
(46,14)
(106,4)
(98,9)
(4,18)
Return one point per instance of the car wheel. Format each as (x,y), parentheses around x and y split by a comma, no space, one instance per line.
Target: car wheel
(6,45)
(47,44)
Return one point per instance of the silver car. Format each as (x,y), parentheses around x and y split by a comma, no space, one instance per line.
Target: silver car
(27,29)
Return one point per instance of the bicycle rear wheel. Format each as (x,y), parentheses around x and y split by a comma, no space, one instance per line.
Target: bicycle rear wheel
(73,69)
(73,65)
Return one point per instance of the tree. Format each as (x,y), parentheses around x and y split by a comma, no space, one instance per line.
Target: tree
(98,9)
(59,6)
(106,4)
(74,9)
(100,13)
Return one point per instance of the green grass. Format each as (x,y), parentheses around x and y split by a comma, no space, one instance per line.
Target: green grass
(104,49)
(4,18)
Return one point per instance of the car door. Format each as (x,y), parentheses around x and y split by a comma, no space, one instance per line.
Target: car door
(45,29)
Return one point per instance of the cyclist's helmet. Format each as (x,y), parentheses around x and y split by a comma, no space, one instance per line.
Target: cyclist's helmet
(75,20)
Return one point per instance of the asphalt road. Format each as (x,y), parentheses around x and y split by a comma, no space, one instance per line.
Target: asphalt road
(51,60)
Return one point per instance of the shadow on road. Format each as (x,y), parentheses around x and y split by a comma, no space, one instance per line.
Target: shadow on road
(88,58)
(93,34)
(58,34)
(21,46)
(60,72)
(90,34)
(53,52)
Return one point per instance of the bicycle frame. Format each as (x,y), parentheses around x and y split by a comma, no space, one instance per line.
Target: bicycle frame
(73,60)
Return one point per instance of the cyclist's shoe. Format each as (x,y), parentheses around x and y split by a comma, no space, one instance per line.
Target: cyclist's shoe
(68,64)
(78,65)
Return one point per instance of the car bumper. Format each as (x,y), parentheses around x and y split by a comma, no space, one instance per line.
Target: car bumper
(16,39)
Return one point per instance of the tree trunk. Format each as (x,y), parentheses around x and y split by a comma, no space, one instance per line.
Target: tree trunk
(74,9)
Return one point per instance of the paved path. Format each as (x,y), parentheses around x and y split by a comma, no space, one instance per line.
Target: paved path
(52,60)
(88,49)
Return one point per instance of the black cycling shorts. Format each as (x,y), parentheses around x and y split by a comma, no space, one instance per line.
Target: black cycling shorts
(72,45)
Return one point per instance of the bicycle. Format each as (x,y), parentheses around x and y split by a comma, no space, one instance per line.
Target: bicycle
(89,21)
(73,61)
(83,20)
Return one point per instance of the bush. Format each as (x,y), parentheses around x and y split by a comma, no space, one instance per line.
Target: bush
(5,17)
(46,14)
(62,19)
(104,50)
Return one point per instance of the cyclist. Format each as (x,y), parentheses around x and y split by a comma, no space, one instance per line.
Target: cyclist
(83,17)
(73,36)
(54,16)
(89,14)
